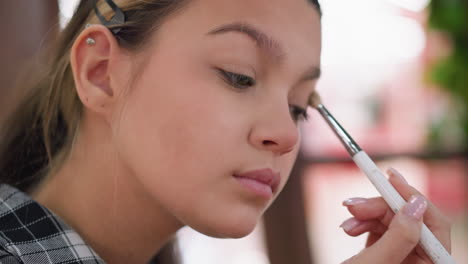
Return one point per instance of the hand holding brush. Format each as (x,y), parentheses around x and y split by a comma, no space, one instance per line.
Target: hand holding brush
(393,238)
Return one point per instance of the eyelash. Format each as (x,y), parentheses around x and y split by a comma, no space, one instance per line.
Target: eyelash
(298,113)
(237,80)
(243,82)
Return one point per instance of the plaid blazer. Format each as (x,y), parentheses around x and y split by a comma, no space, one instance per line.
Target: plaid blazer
(30,233)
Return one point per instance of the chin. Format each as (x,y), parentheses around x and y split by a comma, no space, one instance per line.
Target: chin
(228,226)
(225,230)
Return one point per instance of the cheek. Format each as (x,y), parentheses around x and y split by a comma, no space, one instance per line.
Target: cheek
(182,138)
(173,132)
(180,121)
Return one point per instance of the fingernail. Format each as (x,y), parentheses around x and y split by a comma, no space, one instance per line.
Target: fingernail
(350,224)
(416,207)
(354,201)
(397,174)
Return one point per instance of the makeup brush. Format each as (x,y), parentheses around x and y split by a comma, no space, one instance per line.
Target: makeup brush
(434,249)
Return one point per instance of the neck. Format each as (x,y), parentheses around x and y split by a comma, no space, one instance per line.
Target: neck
(101,199)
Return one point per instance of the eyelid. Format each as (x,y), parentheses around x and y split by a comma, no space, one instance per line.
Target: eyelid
(233,79)
(243,70)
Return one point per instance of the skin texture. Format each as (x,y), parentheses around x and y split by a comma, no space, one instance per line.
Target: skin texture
(163,132)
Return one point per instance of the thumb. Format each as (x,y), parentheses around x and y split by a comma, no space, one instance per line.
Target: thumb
(401,238)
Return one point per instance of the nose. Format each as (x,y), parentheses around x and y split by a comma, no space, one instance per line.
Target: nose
(275,131)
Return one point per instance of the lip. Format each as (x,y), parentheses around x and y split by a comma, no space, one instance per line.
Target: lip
(263,182)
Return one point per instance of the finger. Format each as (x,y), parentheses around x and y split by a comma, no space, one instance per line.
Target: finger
(370,209)
(434,219)
(401,237)
(355,227)
(376,208)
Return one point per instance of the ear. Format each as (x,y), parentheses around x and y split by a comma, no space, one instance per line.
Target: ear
(91,65)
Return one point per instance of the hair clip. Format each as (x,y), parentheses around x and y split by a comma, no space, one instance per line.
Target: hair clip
(117,19)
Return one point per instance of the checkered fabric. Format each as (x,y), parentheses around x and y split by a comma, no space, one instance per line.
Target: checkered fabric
(30,233)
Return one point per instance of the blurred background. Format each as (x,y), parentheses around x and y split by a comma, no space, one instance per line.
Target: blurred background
(395,74)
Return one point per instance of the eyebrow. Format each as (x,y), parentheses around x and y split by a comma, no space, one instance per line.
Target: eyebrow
(264,42)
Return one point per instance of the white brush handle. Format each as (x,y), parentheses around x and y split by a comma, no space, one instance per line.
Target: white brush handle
(431,245)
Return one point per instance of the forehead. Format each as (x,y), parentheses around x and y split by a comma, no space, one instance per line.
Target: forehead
(294,24)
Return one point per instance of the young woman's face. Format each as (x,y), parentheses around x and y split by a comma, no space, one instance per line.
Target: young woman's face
(219,97)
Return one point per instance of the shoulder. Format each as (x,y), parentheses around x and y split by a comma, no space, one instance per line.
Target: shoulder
(18,212)
(30,233)
(6,195)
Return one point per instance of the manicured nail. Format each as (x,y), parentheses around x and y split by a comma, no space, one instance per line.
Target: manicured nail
(397,174)
(354,201)
(416,207)
(350,224)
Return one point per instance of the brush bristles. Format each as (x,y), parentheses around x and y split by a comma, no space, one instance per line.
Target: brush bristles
(314,100)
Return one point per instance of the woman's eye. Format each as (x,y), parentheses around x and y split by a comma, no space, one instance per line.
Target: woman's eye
(298,113)
(239,81)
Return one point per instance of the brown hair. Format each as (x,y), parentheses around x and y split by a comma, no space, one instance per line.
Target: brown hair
(38,135)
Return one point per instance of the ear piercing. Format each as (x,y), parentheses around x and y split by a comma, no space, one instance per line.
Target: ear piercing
(90,41)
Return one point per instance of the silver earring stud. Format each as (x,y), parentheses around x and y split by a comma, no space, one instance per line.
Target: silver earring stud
(90,41)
